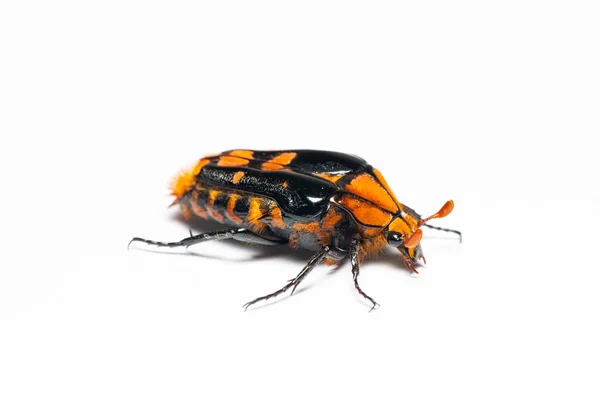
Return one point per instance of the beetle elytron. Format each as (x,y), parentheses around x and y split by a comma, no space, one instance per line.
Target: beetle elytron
(332,203)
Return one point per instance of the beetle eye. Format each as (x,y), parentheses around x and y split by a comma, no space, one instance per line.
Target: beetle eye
(394,239)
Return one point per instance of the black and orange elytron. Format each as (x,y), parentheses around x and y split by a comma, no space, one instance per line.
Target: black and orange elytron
(334,204)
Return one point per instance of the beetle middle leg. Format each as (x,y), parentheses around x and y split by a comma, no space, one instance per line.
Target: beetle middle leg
(354,259)
(241,234)
(293,283)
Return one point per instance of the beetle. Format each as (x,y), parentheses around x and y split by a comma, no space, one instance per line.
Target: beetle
(334,204)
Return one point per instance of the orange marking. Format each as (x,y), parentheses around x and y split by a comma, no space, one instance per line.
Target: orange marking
(242,153)
(283,158)
(230,205)
(185,179)
(277,218)
(284,184)
(300,228)
(255,214)
(330,177)
(238,175)
(366,186)
(330,261)
(228,161)
(199,211)
(185,210)
(212,195)
(398,225)
(331,219)
(328,225)
(270,166)
(365,212)
(387,187)
(312,227)
(293,240)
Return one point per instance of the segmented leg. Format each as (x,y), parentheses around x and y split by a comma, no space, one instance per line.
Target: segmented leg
(241,234)
(313,262)
(445,230)
(354,259)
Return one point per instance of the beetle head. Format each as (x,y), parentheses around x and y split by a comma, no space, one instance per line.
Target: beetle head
(405,234)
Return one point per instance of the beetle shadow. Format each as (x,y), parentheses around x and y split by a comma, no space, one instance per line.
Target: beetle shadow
(196,225)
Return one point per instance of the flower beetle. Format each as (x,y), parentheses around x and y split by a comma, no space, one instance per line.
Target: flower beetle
(334,204)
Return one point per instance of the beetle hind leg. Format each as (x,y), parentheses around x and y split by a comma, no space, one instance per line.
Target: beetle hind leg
(240,234)
(293,283)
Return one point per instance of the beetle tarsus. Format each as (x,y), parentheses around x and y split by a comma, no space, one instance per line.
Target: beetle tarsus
(191,240)
(293,283)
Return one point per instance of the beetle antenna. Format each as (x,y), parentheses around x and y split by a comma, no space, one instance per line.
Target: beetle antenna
(446,230)
(415,238)
(444,211)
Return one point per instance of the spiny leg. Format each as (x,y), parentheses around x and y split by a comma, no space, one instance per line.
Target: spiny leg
(354,259)
(446,230)
(241,234)
(313,262)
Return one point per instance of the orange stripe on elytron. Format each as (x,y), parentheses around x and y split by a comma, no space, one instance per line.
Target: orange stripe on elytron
(230,205)
(270,166)
(237,176)
(212,195)
(228,161)
(366,186)
(242,153)
(277,219)
(330,177)
(366,213)
(387,187)
(182,182)
(283,158)
(255,214)
(199,211)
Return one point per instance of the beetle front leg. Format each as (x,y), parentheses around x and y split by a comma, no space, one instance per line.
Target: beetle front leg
(354,259)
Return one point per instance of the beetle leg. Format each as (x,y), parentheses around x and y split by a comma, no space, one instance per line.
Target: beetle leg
(445,230)
(241,234)
(313,262)
(354,259)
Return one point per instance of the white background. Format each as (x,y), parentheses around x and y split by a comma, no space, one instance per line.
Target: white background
(492,104)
